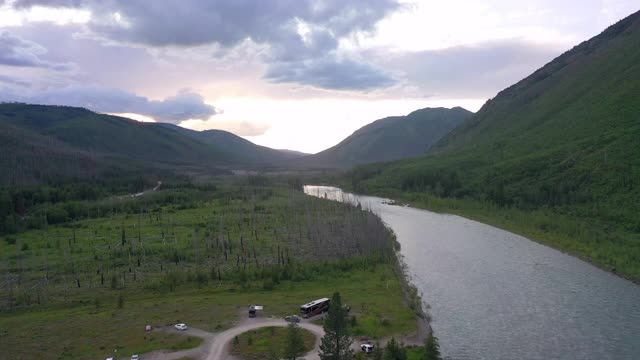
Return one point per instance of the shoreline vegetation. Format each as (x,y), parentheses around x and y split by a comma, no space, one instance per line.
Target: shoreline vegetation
(411,295)
(87,282)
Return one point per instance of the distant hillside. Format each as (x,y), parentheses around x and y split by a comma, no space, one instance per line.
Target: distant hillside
(565,140)
(391,138)
(43,143)
(26,157)
(239,147)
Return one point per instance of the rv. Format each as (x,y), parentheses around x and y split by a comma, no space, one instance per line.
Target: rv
(315,307)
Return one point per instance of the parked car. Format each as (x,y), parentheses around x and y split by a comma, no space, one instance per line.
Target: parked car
(254,309)
(367,348)
(181,326)
(292,319)
(135,357)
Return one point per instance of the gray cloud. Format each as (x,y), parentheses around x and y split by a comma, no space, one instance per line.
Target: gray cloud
(330,73)
(13,81)
(477,71)
(185,105)
(52,3)
(228,23)
(15,51)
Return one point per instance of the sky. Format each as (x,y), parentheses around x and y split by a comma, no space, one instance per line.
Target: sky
(288,74)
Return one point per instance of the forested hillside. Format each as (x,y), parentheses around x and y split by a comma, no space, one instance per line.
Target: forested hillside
(391,138)
(239,147)
(41,144)
(562,144)
(25,156)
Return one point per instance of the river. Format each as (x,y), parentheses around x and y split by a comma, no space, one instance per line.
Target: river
(496,295)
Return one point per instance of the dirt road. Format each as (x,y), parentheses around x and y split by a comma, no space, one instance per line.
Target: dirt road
(200,352)
(218,349)
(216,345)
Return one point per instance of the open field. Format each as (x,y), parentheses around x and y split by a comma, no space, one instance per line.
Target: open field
(236,234)
(81,331)
(84,288)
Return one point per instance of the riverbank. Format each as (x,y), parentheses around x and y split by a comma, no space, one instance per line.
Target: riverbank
(412,299)
(601,245)
(492,292)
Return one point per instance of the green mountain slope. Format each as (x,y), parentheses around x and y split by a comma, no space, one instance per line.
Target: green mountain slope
(26,158)
(391,138)
(563,143)
(46,143)
(239,147)
(106,134)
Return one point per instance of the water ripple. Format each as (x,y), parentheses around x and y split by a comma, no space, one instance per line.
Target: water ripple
(496,295)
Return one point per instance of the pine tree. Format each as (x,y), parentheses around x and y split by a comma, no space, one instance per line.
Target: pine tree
(295,343)
(394,351)
(377,352)
(336,342)
(432,349)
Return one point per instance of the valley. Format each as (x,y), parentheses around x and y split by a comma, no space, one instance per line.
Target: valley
(163,194)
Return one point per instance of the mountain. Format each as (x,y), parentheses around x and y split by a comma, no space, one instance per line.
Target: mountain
(27,157)
(41,143)
(391,138)
(239,147)
(563,142)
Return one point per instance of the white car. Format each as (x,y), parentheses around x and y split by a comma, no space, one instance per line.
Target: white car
(367,348)
(135,357)
(181,326)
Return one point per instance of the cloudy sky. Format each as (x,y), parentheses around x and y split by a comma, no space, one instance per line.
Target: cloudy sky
(296,74)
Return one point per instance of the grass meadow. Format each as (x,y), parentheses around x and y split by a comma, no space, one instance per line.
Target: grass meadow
(85,288)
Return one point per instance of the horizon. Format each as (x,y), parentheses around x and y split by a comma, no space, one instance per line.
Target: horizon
(300,78)
(144,119)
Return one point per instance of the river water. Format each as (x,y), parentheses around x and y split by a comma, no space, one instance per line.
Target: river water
(496,295)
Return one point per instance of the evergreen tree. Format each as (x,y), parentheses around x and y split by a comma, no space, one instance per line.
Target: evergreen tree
(377,352)
(336,342)
(432,349)
(295,343)
(394,351)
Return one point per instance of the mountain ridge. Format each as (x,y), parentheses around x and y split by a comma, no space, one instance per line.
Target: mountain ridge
(559,147)
(390,138)
(238,146)
(44,142)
